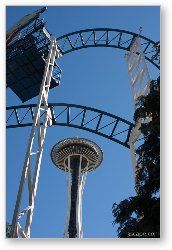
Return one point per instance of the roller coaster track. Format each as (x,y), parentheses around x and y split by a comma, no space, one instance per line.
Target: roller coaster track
(93,120)
(106,37)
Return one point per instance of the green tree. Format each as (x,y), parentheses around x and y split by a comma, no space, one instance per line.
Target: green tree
(8,230)
(139,216)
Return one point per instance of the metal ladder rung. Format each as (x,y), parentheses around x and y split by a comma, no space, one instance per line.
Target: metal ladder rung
(34,153)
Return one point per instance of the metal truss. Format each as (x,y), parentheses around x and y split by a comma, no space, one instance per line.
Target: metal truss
(140,84)
(26,55)
(106,37)
(93,120)
(24,40)
(138,71)
(33,27)
(31,168)
(35,35)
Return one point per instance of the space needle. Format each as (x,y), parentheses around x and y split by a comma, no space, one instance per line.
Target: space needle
(75,156)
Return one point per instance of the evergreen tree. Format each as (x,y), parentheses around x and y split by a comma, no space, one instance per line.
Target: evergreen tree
(8,230)
(139,216)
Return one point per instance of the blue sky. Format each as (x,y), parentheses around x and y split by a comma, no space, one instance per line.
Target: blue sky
(95,77)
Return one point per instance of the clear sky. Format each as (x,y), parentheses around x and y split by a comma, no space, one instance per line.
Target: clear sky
(95,77)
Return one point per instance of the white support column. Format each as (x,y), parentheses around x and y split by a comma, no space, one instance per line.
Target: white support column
(68,182)
(39,138)
(81,189)
(79,201)
(140,84)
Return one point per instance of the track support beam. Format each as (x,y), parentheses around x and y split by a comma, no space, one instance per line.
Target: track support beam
(33,159)
(140,84)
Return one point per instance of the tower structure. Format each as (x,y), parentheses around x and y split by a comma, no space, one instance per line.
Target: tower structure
(75,156)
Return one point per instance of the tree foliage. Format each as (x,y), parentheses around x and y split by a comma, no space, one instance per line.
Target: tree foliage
(8,230)
(139,216)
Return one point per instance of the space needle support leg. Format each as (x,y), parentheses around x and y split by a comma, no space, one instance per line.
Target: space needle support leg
(37,134)
(68,182)
(79,201)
